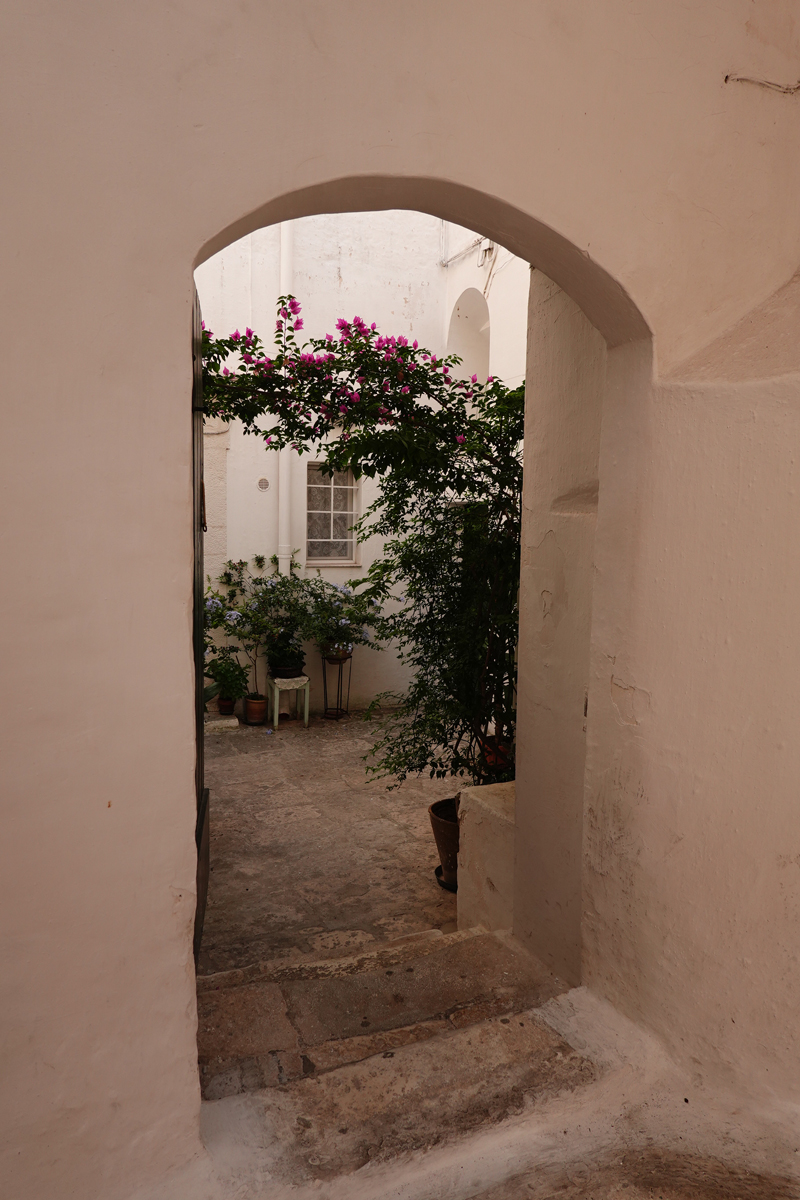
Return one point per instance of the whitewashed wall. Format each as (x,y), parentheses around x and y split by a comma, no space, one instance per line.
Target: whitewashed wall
(389,267)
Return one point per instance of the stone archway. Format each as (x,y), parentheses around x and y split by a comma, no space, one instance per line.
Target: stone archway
(583,331)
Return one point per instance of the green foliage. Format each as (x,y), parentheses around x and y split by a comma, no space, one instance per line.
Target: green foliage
(447,454)
(270,616)
(339,617)
(230,677)
(263,613)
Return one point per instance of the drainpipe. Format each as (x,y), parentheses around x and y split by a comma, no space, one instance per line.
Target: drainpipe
(285,455)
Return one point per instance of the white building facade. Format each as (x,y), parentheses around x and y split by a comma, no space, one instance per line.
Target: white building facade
(410,273)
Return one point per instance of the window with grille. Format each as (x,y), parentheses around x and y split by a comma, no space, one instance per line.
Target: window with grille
(331,512)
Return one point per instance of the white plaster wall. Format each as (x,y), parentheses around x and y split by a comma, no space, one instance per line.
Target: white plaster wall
(600,143)
(564,403)
(383,266)
(692,840)
(503,279)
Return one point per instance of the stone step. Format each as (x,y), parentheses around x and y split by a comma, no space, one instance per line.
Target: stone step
(644,1174)
(269,1024)
(388,953)
(413,1097)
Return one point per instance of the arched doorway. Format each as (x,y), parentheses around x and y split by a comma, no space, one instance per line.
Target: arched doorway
(589,337)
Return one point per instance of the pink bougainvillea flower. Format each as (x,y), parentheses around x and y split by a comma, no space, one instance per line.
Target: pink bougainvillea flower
(490,378)
(279,326)
(269,439)
(298,323)
(474,379)
(235,336)
(294,307)
(343,408)
(404,391)
(225,371)
(248,333)
(415,344)
(460,439)
(445,370)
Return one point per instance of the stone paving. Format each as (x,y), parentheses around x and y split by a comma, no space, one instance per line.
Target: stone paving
(309,856)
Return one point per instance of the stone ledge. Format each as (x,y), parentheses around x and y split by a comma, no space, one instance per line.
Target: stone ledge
(486,856)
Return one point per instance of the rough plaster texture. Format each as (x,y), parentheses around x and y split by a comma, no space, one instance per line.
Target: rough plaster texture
(486,857)
(691,831)
(564,403)
(600,144)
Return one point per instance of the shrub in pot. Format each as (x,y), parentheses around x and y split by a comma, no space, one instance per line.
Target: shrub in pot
(229,676)
(264,613)
(285,656)
(338,618)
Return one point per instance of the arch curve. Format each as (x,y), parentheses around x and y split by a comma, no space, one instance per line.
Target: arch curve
(603,300)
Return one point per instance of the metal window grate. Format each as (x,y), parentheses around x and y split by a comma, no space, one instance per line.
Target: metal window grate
(331,513)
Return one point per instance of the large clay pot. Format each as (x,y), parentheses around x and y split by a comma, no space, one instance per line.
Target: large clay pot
(444,821)
(226,706)
(255,708)
(334,657)
(290,671)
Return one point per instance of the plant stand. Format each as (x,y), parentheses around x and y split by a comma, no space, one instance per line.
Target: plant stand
(335,712)
(300,683)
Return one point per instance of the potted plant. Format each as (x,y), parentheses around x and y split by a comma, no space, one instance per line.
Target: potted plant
(230,678)
(239,612)
(285,656)
(264,613)
(338,618)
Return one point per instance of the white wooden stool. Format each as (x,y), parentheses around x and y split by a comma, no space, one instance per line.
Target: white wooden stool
(300,683)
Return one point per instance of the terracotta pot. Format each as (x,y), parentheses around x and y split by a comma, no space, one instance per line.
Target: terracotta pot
(495,752)
(444,821)
(255,708)
(336,656)
(226,706)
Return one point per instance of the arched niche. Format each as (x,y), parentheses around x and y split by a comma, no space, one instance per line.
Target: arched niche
(469,333)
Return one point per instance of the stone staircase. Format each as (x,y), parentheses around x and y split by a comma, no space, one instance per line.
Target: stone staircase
(361,1058)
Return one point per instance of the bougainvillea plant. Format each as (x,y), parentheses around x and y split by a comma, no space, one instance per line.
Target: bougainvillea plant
(447,455)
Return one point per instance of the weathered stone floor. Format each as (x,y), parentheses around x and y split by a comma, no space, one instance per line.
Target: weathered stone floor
(309,856)
(354,1046)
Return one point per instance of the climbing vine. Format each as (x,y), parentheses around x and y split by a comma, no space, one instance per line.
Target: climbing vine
(447,455)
